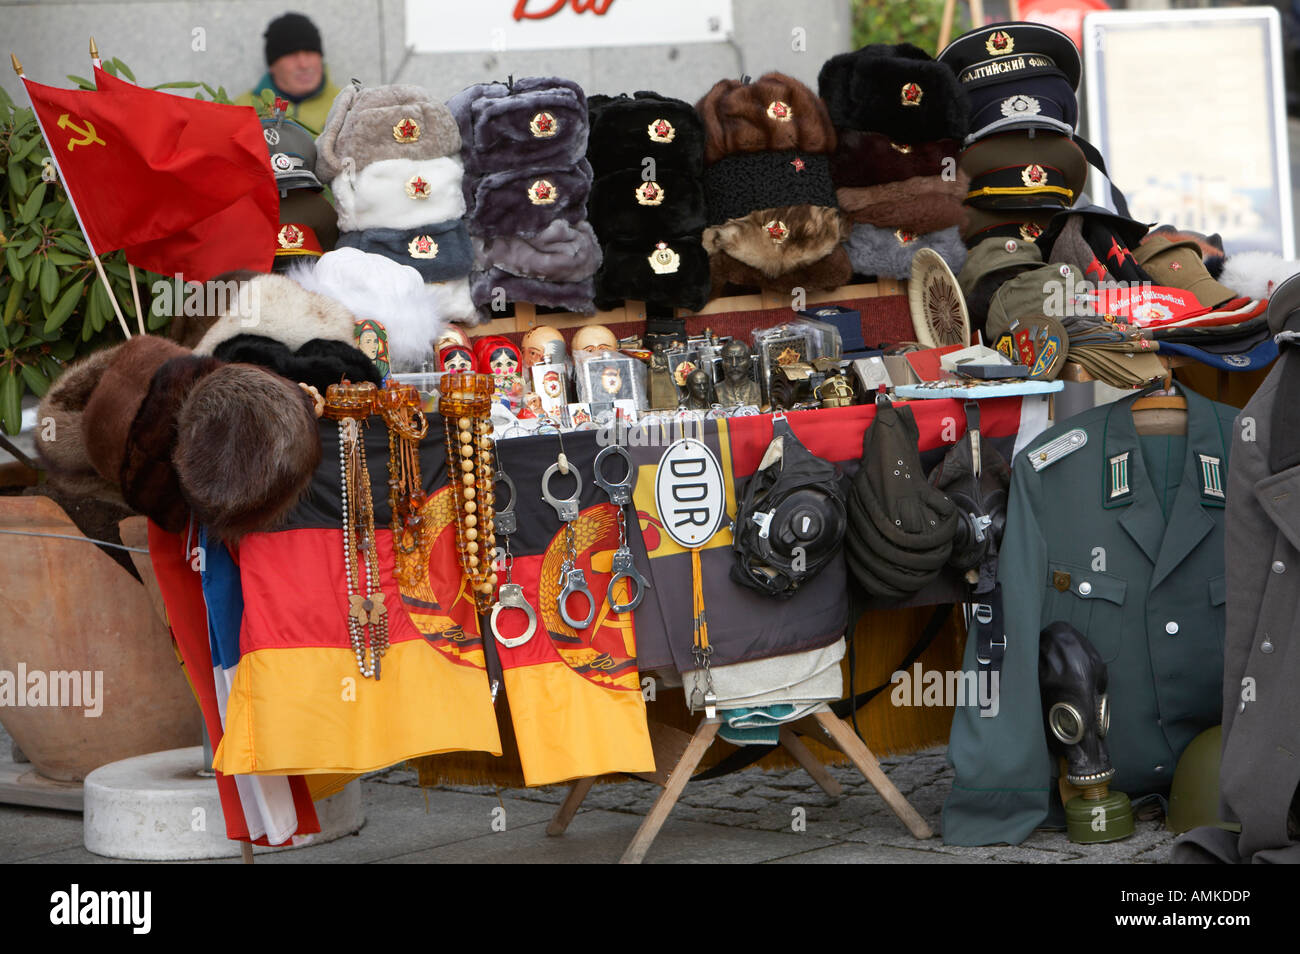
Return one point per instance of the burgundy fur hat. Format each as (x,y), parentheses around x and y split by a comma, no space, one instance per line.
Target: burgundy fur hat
(64,455)
(246,449)
(774,113)
(830,272)
(921,204)
(870,158)
(628,129)
(781,240)
(149,482)
(678,278)
(897,90)
(117,397)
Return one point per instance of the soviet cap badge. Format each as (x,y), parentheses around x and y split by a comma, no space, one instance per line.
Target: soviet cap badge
(417,187)
(1000,43)
(422,246)
(911,94)
(542,192)
(780,111)
(661,130)
(664,260)
(649,193)
(544,125)
(290,236)
(776,230)
(408,130)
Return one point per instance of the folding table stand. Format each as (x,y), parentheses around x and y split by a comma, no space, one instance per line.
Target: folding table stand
(678,754)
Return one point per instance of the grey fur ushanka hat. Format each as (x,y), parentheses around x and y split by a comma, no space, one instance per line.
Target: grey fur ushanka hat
(366,125)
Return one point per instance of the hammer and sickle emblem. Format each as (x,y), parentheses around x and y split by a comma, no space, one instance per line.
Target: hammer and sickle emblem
(87,135)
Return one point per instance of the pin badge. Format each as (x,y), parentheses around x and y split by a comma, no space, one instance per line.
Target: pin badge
(911,94)
(290,236)
(422,246)
(1033,174)
(661,130)
(408,130)
(542,192)
(999,43)
(544,125)
(649,193)
(664,260)
(779,111)
(417,187)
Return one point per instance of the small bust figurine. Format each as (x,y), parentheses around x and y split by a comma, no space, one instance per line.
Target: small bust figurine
(662,392)
(699,390)
(737,387)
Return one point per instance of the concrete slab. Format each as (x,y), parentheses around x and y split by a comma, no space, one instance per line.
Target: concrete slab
(600,837)
(28,833)
(860,854)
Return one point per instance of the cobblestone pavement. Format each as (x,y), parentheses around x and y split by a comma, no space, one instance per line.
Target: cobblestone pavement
(766,801)
(748,816)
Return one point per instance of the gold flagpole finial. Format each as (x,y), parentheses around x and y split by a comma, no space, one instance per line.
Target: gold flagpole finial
(94,50)
(18,67)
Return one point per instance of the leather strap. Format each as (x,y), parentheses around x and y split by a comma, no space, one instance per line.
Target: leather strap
(1094,157)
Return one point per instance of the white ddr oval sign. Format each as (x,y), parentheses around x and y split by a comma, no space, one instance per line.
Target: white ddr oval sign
(690,493)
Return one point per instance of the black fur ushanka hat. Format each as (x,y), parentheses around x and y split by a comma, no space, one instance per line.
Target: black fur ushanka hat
(898,90)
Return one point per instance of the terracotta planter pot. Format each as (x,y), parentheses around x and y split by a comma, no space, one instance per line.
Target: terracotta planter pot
(68,609)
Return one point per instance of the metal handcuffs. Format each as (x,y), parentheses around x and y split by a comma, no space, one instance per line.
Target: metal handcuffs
(571,576)
(620,495)
(511,595)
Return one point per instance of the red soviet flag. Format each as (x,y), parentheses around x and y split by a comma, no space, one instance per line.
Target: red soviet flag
(182,185)
(240,236)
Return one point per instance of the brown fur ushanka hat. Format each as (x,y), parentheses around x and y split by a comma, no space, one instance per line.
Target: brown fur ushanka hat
(772,113)
(117,397)
(246,448)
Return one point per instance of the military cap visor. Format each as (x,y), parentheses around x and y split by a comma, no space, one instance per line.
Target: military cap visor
(1022,225)
(1284,308)
(1042,101)
(1014,170)
(1006,41)
(1179,265)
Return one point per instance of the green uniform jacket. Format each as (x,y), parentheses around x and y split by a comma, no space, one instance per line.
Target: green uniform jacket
(1123,539)
(311,112)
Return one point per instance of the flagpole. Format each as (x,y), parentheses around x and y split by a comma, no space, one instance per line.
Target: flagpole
(54,157)
(135,289)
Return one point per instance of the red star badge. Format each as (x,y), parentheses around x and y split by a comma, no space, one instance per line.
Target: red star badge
(423,244)
(1175,266)
(1118,252)
(406,128)
(1096,266)
(798,164)
(661,128)
(420,186)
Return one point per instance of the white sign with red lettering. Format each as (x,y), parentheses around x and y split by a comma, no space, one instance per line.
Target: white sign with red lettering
(439,26)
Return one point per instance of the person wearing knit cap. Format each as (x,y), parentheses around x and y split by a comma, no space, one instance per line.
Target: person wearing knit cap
(295,71)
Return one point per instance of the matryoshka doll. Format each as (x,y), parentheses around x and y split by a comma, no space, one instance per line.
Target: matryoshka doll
(500,358)
(455,358)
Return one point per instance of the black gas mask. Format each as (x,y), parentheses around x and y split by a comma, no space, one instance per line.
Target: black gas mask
(790,519)
(975,478)
(1072,679)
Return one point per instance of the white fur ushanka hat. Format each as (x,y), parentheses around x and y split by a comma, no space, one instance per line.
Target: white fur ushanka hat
(399,194)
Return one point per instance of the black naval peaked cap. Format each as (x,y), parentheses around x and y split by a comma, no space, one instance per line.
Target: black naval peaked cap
(1009,48)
